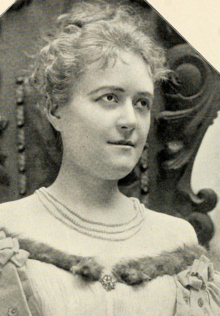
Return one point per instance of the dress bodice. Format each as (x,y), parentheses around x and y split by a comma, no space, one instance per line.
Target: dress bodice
(60,293)
(168,287)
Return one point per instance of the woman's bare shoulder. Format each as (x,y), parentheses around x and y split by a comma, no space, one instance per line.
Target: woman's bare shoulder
(20,205)
(172,228)
(14,214)
(163,218)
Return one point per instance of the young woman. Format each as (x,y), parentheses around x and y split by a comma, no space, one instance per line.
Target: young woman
(93,251)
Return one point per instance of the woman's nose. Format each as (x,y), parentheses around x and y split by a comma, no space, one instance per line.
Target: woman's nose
(127,121)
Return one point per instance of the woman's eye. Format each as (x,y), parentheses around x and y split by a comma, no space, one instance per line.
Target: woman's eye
(143,103)
(109,98)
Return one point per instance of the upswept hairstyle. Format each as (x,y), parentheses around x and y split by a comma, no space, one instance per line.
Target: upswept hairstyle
(92,32)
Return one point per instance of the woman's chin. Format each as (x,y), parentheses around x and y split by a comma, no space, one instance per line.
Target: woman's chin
(118,172)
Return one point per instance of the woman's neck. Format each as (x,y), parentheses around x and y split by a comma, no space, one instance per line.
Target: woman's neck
(91,196)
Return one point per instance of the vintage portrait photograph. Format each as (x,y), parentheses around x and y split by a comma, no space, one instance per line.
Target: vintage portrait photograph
(109,163)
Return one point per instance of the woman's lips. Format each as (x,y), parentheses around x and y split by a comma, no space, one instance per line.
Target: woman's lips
(122,142)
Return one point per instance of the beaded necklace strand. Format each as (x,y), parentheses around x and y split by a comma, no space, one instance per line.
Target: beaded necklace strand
(63,217)
(135,201)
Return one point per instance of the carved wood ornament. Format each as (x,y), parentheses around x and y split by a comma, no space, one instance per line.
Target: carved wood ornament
(4,176)
(181,126)
(20,115)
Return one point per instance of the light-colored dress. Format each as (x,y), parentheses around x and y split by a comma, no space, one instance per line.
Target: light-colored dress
(59,292)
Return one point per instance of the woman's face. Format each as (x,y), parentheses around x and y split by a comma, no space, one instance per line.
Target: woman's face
(105,126)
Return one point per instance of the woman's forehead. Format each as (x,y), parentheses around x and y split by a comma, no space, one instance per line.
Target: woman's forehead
(128,71)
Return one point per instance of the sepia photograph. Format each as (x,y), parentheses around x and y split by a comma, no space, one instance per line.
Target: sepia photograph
(109,163)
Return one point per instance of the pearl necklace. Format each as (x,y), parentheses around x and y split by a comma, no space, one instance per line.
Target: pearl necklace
(135,201)
(66,216)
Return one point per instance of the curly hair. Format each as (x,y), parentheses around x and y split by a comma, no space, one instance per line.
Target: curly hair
(92,32)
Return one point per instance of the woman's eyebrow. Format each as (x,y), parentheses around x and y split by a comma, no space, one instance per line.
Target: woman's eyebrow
(105,88)
(115,88)
(146,94)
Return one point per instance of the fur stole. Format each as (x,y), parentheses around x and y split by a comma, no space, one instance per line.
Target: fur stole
(130,272)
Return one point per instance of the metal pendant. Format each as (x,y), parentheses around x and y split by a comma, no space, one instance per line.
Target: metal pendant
(107,282)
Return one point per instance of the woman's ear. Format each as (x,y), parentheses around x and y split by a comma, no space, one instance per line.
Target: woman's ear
(53,116)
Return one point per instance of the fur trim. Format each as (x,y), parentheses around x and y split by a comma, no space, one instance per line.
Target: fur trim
(170,263)
(86,267)
(130,272)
